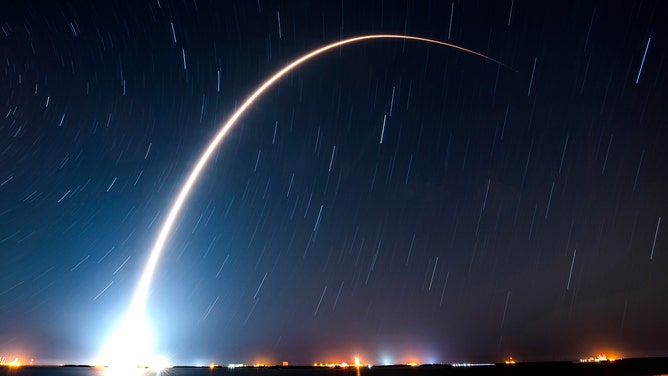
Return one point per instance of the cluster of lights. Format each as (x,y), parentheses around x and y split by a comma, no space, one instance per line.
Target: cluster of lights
(597,359)
(4,361)
(356,363)
(511,361)
(471,364)
(331,365)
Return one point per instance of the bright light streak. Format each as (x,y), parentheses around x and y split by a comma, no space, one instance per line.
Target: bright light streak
(139,299)
(144,283)
(642,63)
(570,274)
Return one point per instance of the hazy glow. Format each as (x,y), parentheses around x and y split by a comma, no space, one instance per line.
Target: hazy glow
(129,349)
(129,345)
(125,339)
(14,363)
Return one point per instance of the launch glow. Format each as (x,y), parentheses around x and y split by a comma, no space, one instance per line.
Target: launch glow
(135,315)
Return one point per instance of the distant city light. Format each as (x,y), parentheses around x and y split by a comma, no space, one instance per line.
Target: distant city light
(471,364)
(14,363)
(511,360)
(356,363)
(598,358)
(330,364)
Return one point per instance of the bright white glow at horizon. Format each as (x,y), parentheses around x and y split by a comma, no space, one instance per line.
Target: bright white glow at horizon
(136,311)
(129,345)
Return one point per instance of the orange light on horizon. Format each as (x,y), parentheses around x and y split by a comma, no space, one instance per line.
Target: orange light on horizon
(14,363)
(600,358)
(332,364)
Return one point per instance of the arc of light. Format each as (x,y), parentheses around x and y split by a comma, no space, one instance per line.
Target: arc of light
(141,293)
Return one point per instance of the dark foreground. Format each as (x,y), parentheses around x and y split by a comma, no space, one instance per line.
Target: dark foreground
(644,366)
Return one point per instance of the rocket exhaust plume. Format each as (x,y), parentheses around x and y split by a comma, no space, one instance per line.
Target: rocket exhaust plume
(136,311)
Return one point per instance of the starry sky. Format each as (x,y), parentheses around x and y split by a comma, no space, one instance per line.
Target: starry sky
(393,200)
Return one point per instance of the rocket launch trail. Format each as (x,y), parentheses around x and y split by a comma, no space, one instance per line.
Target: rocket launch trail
(136,311)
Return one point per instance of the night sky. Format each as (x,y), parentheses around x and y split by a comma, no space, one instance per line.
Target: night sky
(393,200)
